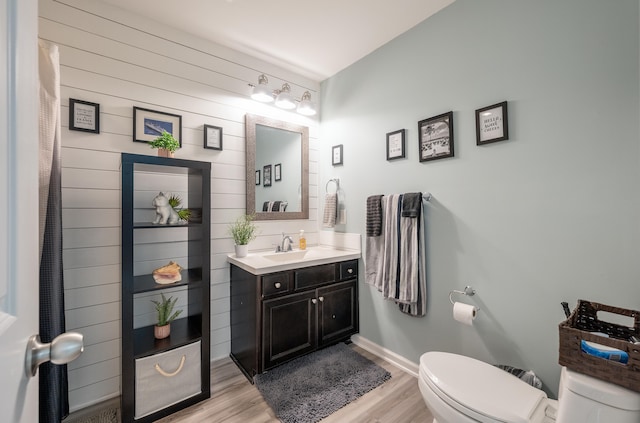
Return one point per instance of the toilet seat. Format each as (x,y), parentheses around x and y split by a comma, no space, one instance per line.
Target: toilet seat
(480,390)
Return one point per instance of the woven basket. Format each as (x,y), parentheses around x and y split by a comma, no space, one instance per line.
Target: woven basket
(578,326)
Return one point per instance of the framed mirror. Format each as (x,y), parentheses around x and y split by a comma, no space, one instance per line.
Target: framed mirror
(279,152)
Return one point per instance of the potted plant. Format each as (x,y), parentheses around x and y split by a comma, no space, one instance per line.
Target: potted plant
(243,230)
(175,201)
(166,144)
(164,307)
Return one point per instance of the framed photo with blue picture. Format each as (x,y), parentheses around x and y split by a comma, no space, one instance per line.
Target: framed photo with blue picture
(149,125)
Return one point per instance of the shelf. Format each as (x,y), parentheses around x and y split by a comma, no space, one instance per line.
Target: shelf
(138,225)
(146,283)
(182,332)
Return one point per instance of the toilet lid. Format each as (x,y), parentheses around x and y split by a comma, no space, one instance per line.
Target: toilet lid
(469,384)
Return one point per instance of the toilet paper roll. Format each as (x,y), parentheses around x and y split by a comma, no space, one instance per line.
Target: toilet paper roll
(464,313)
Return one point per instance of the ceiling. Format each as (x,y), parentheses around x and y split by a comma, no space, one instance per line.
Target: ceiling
(316,39)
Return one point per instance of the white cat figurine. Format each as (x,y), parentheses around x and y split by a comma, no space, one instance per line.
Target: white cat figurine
(164,212)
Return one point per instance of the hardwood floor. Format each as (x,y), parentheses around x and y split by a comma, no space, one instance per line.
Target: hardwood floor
(234,399)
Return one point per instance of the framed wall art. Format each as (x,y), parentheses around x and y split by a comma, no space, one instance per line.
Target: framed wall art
(435,137)
(149,125)
(212,137)
(492,124)
(257,177)
(336,155)
(266,176)
(277,172)
(395,144)
(84,116)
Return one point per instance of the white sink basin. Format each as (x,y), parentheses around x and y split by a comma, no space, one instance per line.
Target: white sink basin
(286,256)
(262,262)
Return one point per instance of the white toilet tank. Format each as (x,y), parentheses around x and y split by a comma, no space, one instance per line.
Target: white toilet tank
(586,399)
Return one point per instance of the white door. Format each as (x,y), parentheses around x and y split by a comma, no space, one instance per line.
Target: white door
(19,262)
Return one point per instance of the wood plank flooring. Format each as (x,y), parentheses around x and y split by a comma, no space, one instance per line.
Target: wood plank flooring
(234,399)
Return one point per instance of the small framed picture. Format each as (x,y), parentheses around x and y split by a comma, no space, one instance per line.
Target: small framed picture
(336,155)
(395,144)
(84,116)
(266,176)
(149,125)
(492,124)
(277,172)
(435,137)
(257,177)
(213,137)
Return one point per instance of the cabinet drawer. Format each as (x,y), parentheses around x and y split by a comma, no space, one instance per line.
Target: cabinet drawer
(348,269)
(315,276)
(276,283)
(167,378)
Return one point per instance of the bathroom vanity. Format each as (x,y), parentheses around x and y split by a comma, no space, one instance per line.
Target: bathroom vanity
(283,308)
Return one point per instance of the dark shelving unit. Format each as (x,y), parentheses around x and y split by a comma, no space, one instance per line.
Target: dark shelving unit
(193,326)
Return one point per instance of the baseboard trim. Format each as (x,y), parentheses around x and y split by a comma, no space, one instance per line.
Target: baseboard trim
(387,355)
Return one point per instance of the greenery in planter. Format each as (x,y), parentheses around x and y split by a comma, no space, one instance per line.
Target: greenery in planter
(166,141)
(174,202)
(164,309)
(243,230)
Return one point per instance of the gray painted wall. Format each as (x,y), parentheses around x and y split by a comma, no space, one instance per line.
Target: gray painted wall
(550,215)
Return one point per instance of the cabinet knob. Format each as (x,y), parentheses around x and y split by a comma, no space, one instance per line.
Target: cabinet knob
(333,316)
(278,285)
(313,300)
(349,270)
(321,298)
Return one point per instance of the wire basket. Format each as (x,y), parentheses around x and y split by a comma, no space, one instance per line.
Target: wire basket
(580,325)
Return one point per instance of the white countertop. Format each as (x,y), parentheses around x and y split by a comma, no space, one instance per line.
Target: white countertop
(263,262)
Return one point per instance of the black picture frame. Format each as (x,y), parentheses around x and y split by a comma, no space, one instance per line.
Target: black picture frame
(148,125)
(396,144)
(266,176)
(336,155)
(435,137)
(258,177)
(277,172)
(84,116)
(212,137)
(492,124)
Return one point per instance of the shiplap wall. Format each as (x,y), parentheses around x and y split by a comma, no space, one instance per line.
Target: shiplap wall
(119,61)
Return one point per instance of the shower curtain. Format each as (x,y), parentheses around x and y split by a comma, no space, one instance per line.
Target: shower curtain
(54,394)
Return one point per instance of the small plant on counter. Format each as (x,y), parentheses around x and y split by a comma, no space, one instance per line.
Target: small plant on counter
(243,230)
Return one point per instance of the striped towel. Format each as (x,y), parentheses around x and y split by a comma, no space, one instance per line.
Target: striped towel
(330,210)
(374,215)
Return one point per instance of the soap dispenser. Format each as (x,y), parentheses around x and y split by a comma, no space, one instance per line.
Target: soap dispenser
(303,241)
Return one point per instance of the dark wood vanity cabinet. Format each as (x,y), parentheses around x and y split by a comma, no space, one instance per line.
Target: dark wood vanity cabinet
(280,316)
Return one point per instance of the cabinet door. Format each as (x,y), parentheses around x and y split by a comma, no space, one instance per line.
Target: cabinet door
(337,312)
(288,328)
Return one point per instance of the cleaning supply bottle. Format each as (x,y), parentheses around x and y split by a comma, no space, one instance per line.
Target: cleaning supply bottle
(303,241)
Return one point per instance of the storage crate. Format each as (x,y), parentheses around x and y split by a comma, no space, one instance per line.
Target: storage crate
(579,325)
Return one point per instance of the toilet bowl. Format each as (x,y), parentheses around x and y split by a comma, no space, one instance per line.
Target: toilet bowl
(459,389)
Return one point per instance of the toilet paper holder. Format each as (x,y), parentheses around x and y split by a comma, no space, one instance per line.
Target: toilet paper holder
(468,290)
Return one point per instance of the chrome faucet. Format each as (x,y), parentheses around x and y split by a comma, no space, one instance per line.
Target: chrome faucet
(285,245)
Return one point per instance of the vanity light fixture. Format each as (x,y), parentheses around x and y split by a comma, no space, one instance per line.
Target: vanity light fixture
(283,98)
(261,92)
(306,106)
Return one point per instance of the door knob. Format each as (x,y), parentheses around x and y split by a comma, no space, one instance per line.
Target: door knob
(64,348)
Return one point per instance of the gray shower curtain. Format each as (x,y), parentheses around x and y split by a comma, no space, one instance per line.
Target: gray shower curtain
(54,394)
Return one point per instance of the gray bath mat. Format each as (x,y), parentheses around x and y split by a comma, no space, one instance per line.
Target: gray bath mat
(310,388)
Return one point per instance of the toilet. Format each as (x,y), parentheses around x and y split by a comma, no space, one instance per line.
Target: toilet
(459,389)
